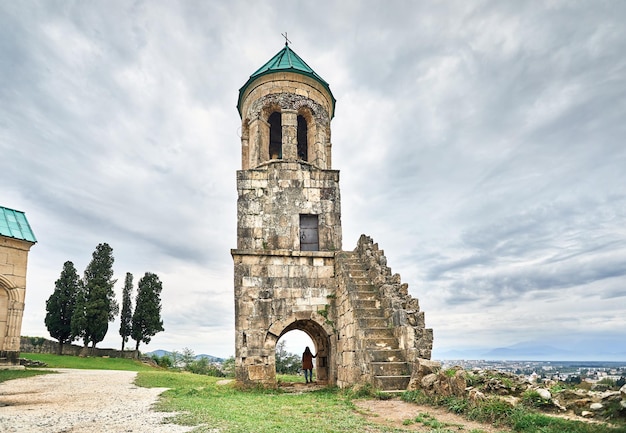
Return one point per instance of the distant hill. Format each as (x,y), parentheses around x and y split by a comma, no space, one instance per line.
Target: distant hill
(160,353)
(538,351)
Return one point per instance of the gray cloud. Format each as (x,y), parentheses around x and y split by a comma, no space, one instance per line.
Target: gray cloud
(480,144)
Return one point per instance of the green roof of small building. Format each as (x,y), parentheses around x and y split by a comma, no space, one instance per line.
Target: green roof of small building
(286,60)
(13,224)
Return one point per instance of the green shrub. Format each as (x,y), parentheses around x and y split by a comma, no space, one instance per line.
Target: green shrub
(450,372)
(606,381)
(491,410)
(164,361)
(456,404)
(532,399)
(383,395)
(415,396)
(202,366)
(362,391)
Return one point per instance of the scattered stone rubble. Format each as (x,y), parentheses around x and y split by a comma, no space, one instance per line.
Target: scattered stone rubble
(32,363)
(476,385)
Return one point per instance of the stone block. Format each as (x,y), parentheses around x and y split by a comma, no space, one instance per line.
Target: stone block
(251,282)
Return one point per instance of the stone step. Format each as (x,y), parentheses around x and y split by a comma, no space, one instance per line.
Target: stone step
(364,284)
(381,343)
(376,332)
(392,383)
(363,295)
(392,393)
(389,368)
(364,313)
(366,304)
(386,355)
(372,322)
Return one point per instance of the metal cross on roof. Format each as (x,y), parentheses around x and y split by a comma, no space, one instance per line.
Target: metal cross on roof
(287,41)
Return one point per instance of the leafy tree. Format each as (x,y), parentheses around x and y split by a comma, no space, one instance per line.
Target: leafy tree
(61,304)
(147,316)
(286,363)
(126,316)
(228,366)
(98,306)
(187,357)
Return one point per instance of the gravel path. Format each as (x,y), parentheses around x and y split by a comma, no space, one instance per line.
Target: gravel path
(77,401)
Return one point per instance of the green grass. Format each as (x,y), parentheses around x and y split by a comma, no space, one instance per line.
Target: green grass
(20,374)
(289,378)
(91,363)
(234,410)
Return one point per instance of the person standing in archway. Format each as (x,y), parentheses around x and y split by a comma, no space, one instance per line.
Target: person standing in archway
(307,364)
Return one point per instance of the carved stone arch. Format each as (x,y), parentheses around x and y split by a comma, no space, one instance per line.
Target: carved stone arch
(8,303)
(267,110)
(10,288)
(263,107)
(281,327)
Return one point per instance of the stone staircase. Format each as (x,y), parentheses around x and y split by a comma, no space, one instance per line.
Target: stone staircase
(388,368)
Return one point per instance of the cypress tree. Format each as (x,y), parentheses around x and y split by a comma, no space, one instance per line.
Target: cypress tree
(61,304)
(99,304)
(127,314)
(147,316)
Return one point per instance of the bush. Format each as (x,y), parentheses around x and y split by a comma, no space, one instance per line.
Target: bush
(163,361)
(491,410)
(533,399)
(202,366)
(456,404)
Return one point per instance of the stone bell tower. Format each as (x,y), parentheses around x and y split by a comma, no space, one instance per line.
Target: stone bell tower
(290,270)
(288,215)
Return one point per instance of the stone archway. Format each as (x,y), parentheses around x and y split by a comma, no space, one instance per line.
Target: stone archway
(320,333)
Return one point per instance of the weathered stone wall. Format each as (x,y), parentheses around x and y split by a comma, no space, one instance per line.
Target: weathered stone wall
(400,307)
(42,345)
(273,291)
(13,264)
(272,198)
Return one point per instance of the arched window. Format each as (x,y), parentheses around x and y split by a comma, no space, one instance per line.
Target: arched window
(276,136)
(303,150)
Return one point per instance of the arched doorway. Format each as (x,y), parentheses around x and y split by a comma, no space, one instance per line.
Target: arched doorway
(288,352)
(321,345)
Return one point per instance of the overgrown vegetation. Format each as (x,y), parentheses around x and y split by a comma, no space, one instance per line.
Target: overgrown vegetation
(522,419)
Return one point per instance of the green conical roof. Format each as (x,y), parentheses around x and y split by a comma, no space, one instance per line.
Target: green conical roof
(286,60)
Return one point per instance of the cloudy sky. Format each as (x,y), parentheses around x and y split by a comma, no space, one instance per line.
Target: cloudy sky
(481,144)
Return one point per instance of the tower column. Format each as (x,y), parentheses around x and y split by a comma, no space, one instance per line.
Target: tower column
(289,119)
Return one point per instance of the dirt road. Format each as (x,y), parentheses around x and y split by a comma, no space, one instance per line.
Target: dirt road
(79,401)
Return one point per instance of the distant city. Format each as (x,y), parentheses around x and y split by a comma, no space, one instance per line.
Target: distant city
(566,371)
